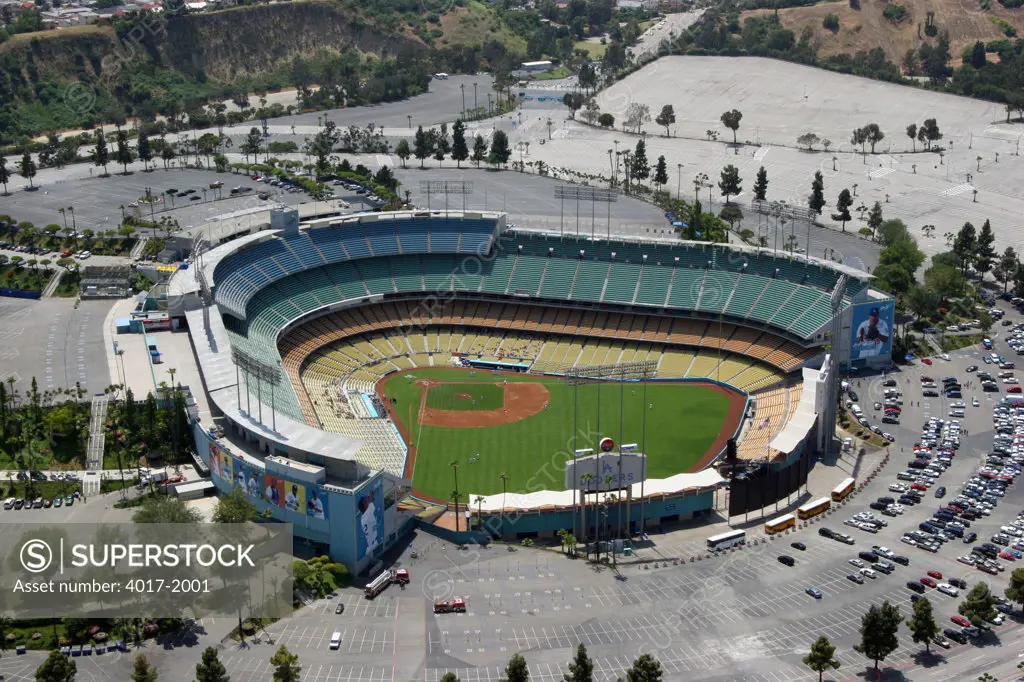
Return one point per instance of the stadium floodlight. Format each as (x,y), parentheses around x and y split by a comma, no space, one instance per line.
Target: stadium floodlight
(264,373)
(446,187)
(594,195)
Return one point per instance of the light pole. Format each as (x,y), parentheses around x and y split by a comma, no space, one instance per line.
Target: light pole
(679,179)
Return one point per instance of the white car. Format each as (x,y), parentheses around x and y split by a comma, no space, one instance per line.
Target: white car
(899,488)
(1011,530)
(907,540)
(946,588)
(974,401)
(998,620)
(857,562)
(868,573)
(945,356)
(897,508)
(967,559)
(1010,380)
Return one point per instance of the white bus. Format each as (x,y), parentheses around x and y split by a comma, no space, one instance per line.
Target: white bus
(441,76)
(725,540)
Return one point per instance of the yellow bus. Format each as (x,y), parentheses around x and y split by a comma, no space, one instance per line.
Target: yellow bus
(814,508)
(780,524)
(843,490)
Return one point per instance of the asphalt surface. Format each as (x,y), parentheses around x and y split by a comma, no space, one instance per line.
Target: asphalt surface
(739,616)
(55,341)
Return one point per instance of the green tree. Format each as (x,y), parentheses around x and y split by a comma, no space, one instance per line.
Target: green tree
(984,252)
(878,632)
(449,677)
(922,301)
(500,151)
(144,148)
(163,509)
(947,282)
(666,118)
(873,135)
(479,150)
(731,120)
(517,670)
(639,166)
(912,134)
(606,120)
(808,140)
(730,183)
(581,668)
(58,667)
(875,219)
(843,204)
(816,201)
(1015,591)
(27,168)
(402,151)
(234,507)
(5,175)
(822,657)
(210,669)
(286,665)
(100,154)
(645,668)
(1005,267)
(460,150)
(964,245)
(923,627)
(894,231)
(731,214)
(661,172)
(931,130)
(123,155)
(251,144)
(979,605)
(574,102)
(761,184)
(142,671)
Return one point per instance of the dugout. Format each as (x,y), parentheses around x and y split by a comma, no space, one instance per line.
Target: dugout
(496,366)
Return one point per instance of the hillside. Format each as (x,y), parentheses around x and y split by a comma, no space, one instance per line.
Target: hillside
(86,75)
(867,28)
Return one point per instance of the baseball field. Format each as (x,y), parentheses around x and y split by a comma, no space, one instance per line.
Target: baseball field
(523,426)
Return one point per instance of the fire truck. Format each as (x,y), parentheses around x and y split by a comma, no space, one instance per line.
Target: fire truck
(380,583)
(454,606)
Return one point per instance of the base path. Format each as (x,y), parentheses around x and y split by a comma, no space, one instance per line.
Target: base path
(522,400)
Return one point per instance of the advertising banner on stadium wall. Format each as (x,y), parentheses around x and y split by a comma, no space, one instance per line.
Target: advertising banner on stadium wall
(245,477)
(215,461)
(872,330)
(316,504)
(370,519)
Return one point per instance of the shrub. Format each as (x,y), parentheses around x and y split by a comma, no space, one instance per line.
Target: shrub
(895,13)
(831,23)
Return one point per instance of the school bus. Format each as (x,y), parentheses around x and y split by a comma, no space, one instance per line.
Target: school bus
(814,508)
(780,524)
(843,490)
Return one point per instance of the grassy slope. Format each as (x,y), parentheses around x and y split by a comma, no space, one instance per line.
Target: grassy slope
(681,426)
(866,28)
(476,24)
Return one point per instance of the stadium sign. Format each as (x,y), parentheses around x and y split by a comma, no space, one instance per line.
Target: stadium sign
(608,471)
(606,445)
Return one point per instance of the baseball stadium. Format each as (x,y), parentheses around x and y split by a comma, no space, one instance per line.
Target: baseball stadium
(376,364)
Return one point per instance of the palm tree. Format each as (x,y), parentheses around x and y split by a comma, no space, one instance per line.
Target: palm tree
(479,505)
(504,485)
(455,494)
(585,479)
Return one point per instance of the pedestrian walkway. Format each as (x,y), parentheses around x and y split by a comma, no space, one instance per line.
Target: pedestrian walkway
(97,433)
(51,285)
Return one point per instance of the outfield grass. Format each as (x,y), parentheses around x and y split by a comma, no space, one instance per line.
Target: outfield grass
(682,422)
(484,397)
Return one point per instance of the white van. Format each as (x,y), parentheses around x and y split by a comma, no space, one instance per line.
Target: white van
(9,503)
(441,76)
(336,640)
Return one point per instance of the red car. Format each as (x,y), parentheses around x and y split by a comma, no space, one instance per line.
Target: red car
(918,486)
(1008,555)
(961,621)
(928,581)
(935,574)
(926,361)
(926,379)
(1013,389)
